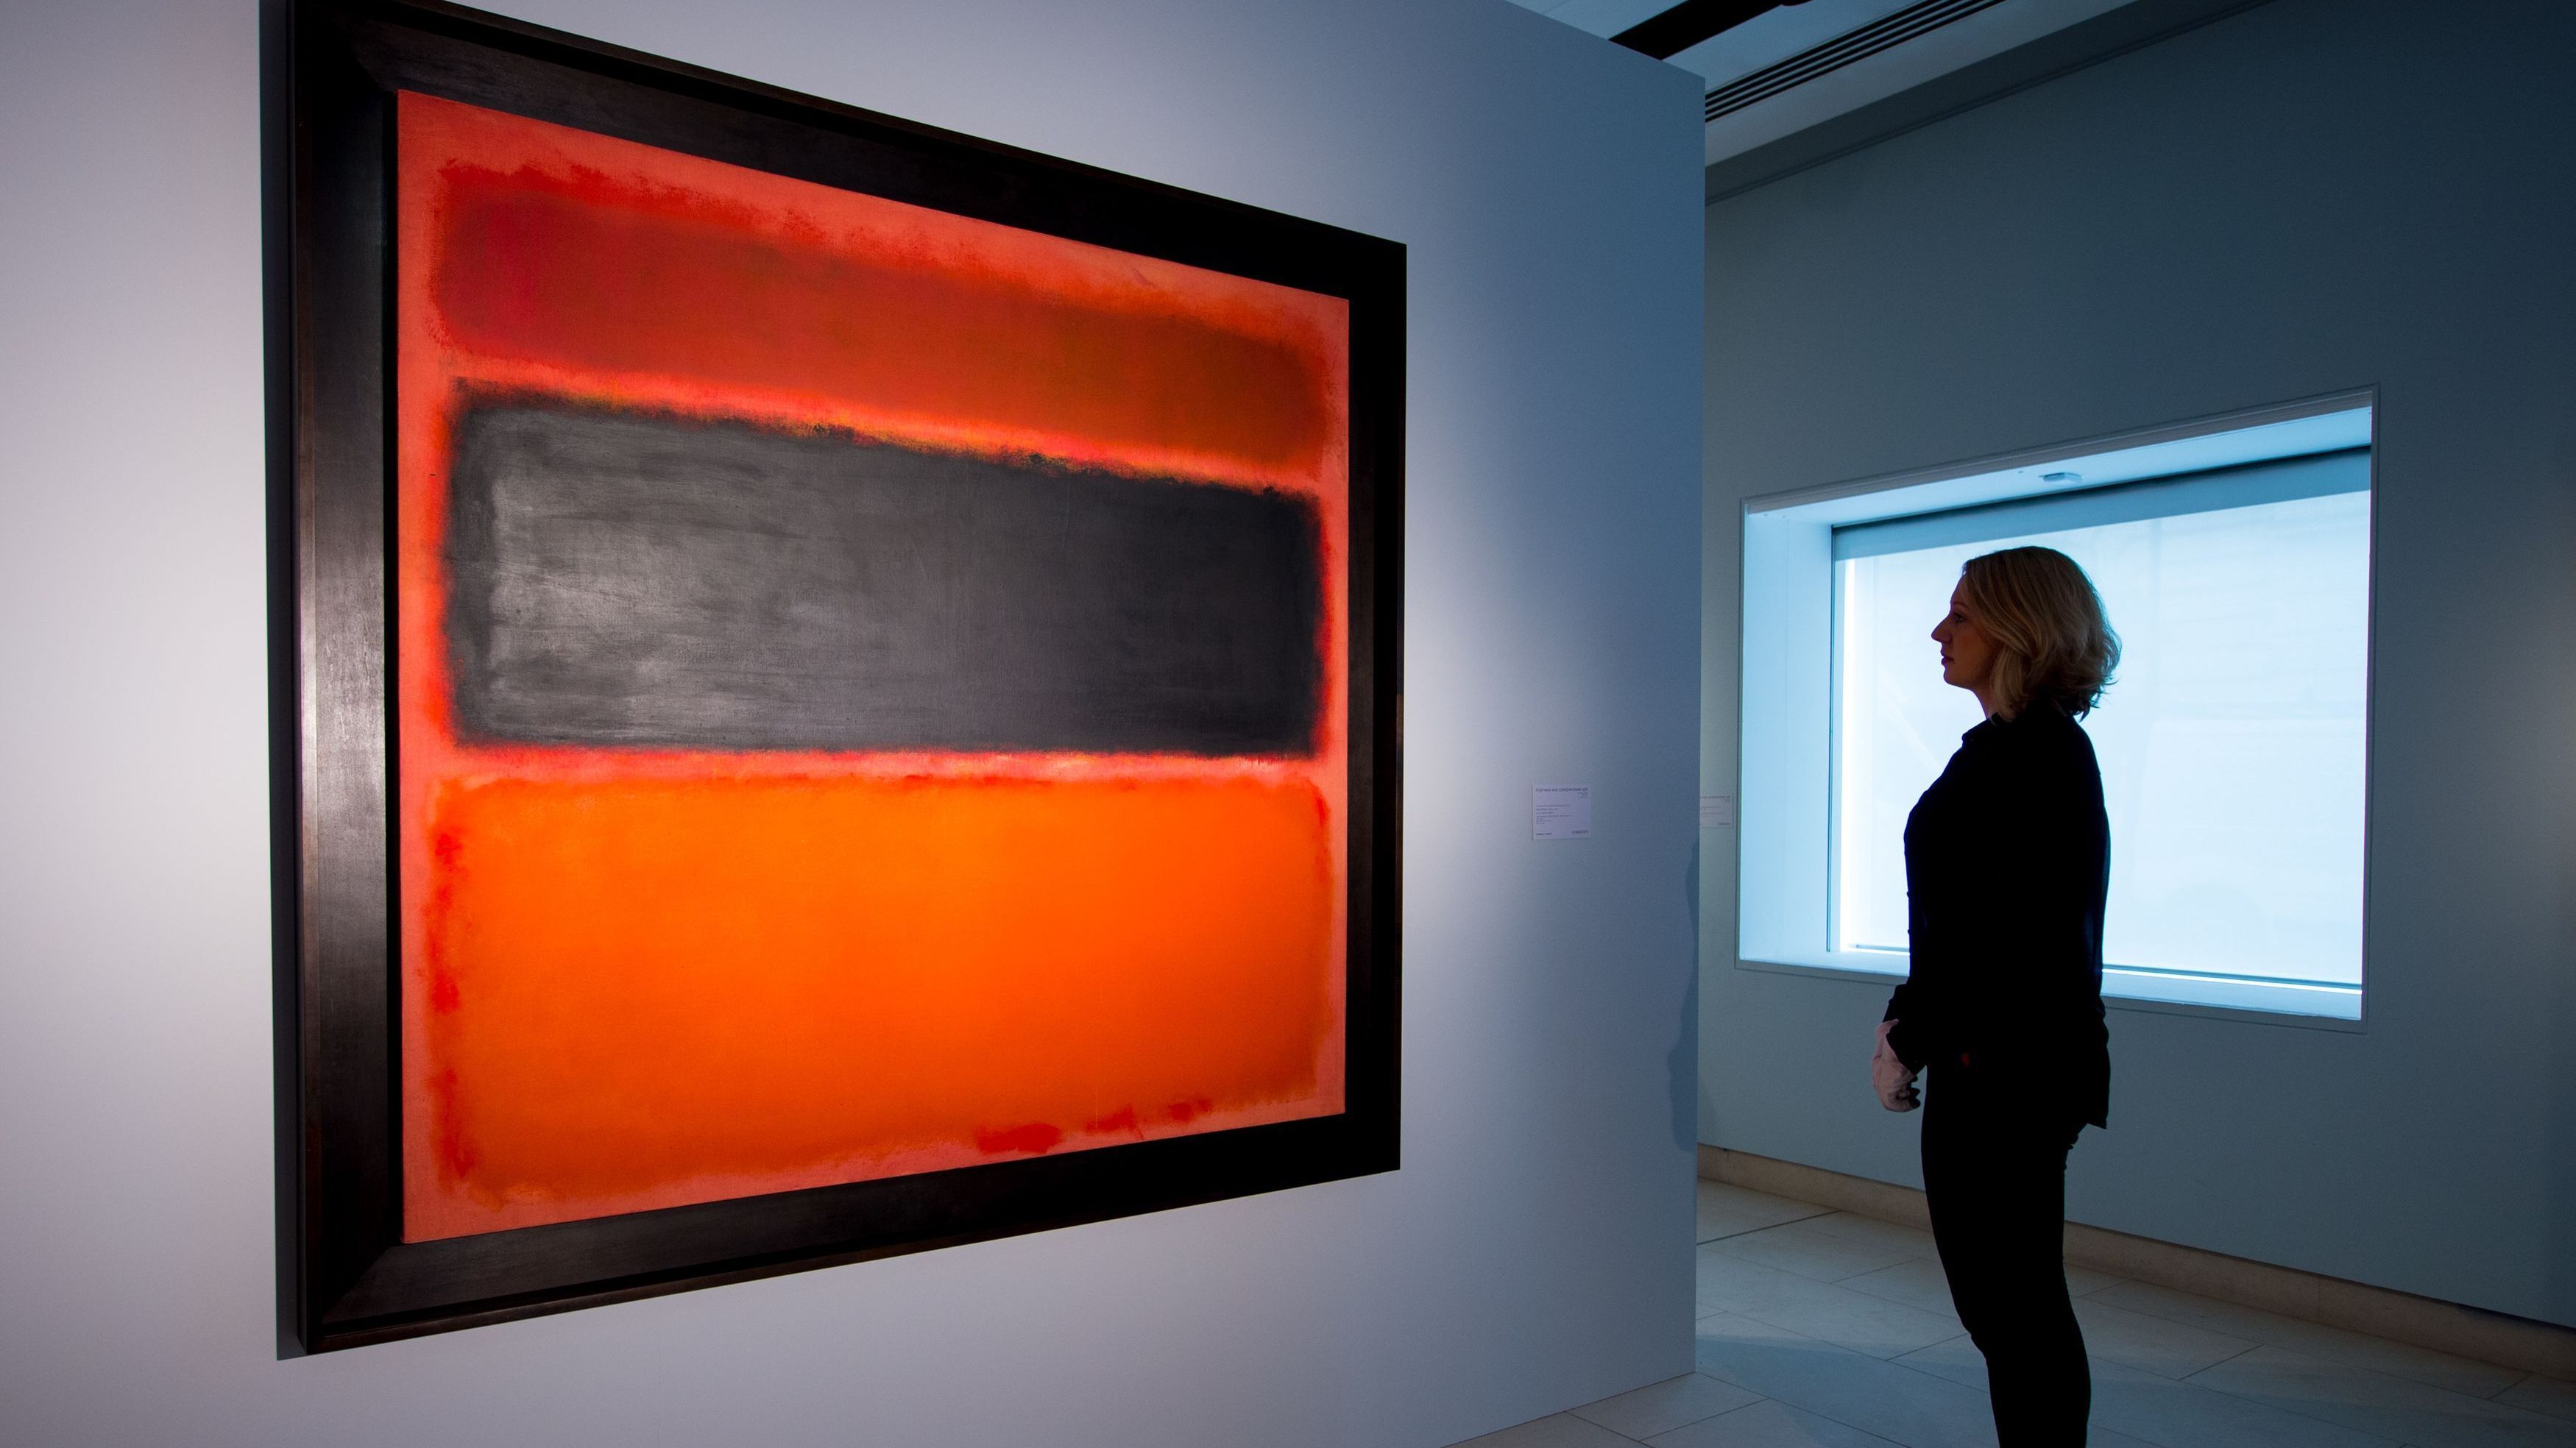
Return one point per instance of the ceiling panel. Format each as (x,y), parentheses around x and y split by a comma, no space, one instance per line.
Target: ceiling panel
(1779,34)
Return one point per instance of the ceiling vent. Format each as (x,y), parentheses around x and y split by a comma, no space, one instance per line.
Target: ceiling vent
(1842,50)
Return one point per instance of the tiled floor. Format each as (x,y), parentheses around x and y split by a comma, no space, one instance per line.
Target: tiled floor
(1821,1328)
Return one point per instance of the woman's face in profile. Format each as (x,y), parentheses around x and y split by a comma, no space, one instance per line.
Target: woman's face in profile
(1967,653)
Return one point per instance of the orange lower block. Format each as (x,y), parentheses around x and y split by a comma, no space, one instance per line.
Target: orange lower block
(642,993)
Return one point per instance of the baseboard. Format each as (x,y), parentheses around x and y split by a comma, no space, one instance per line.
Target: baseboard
(2469,1332)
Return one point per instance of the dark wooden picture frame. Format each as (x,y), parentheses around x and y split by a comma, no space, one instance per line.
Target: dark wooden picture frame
(347,1276)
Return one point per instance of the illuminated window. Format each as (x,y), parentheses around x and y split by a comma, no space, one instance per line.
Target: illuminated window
(2233,742)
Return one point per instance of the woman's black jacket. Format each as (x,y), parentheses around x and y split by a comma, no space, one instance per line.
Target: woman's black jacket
(2007,861)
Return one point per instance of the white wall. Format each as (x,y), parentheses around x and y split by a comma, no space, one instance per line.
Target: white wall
(1534,1250)
(2308,196)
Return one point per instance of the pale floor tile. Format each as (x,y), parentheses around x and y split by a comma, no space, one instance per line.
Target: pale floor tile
(2553,1396)
(2162,1411)
(2315,1339)
(1767,1424)
(2412,1412)
(1822,1355)
(1821,1310)
(2153,1344)
(2185,1415)
(1722,1282)
(1564,1430)
(2097,1436)
(1911,1241)
(1919,1285)
(1914,1242)
(1798,1247)
(2150,1344)
(1771,1424)
(1924,1285)
(1726,1210)
(1662,1407)
(2084,1281)
(1898,1404)
(2191,1307)
(1956,1359)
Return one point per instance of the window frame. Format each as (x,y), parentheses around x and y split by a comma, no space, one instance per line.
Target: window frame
(1791,684)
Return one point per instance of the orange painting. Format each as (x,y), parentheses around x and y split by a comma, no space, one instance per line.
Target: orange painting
(872,685)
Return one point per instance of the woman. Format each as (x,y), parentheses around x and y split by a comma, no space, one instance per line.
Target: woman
(2007,861)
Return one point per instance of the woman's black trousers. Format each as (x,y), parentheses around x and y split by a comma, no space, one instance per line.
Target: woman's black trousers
(1994,1172)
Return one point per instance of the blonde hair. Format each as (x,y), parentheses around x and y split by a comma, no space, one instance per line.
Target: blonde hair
(2052,640)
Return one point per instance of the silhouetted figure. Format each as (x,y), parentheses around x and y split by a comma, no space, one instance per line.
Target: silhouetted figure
(2007,863)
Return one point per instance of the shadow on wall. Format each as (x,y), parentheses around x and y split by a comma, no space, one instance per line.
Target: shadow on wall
(1682,1063)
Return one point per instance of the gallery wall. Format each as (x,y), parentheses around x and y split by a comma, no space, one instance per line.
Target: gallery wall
(2305,197)
(1533,1252)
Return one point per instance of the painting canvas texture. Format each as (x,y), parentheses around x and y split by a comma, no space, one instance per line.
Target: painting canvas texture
(872,685)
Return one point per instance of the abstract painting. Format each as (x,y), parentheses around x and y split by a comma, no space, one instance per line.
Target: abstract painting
(884,693)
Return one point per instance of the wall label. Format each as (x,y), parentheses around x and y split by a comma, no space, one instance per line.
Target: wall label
(1561,812)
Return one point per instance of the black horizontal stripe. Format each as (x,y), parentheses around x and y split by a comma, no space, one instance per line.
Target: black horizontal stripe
(620,578)
(1670,32)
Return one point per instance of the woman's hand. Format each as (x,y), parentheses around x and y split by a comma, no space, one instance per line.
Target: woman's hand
(1893,1078)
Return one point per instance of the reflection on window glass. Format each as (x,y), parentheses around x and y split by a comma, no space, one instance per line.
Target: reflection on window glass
(2231,742)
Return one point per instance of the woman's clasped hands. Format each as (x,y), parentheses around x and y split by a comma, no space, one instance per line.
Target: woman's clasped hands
(1893,1078)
